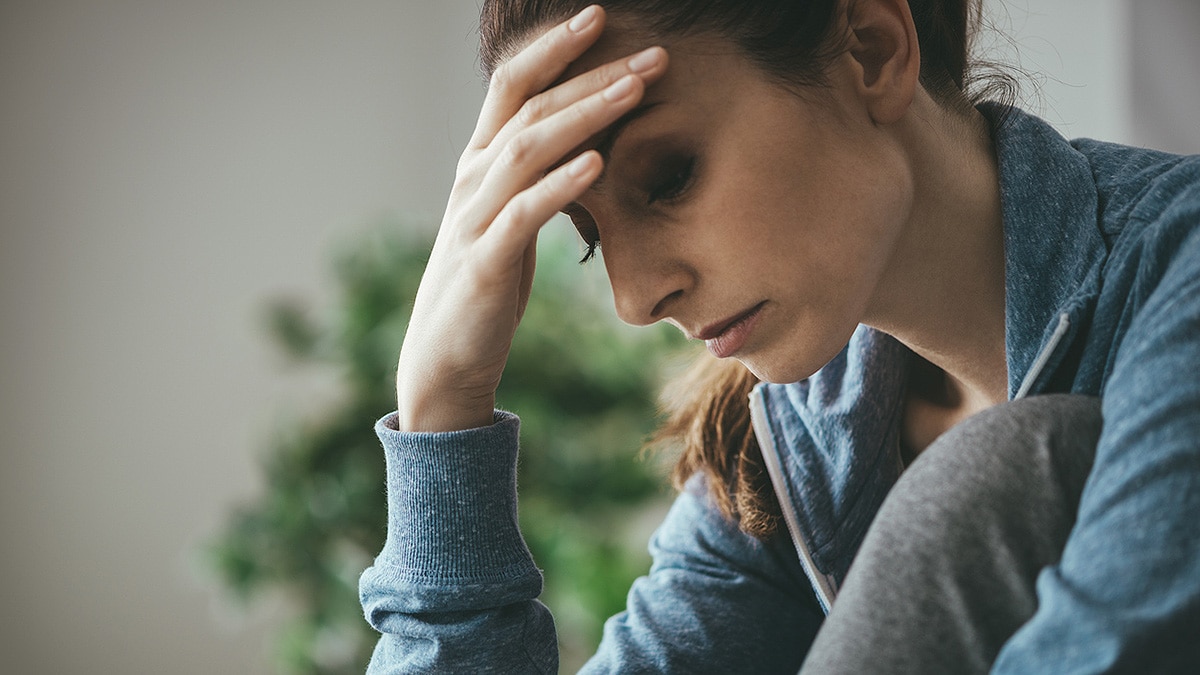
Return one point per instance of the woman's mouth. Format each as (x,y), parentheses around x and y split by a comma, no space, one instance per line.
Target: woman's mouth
(725,338)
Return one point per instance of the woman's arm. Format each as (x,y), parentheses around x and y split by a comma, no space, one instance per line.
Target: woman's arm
(1126,595)
(514,175)
(453,562)
(716,600)
(454,589)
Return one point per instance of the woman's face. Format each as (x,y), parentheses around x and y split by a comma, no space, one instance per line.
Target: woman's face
(747,216)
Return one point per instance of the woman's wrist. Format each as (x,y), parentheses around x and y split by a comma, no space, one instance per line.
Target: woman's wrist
(443,413)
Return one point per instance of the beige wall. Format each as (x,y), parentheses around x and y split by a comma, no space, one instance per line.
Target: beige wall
(1071,58)
(1165,74)
(167,166)
(164,168)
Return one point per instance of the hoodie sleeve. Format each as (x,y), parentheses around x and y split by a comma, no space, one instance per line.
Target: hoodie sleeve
(1125,597)
(454,588)
(716,601)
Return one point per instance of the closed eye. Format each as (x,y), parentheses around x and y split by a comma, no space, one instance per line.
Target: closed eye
(677,175)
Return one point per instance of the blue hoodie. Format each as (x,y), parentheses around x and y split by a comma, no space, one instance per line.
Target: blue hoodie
(1102,250)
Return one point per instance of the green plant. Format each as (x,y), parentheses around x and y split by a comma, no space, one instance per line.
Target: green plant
(584,386)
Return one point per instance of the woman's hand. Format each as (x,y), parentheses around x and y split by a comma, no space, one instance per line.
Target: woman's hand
(477,281)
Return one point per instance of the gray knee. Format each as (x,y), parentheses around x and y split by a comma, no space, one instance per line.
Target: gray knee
(1013,471)
(947,570)
(1046,442)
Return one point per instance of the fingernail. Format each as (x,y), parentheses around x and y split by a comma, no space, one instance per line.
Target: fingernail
(619,89)
(578,166)
(583,19)
(645,59)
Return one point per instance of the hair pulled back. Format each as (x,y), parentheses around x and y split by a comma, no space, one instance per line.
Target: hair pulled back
(793,42)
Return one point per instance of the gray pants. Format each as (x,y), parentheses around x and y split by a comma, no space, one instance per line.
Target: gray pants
(946,574)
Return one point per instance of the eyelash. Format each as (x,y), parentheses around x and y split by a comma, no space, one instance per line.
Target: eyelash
(588,233)
(590,252)
(678,181)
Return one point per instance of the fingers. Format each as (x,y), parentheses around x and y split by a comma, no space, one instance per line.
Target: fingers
(530,153)
(648,64)
(533,69)
(516,226)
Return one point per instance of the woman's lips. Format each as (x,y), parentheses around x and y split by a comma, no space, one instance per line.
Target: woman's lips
(727,337)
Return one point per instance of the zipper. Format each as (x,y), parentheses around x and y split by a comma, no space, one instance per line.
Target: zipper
(823,585)
(1039,364)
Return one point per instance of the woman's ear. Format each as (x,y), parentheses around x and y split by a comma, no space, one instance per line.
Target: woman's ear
(885,56)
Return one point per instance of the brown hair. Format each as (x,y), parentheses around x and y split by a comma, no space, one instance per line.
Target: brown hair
(792,41)
(708,420)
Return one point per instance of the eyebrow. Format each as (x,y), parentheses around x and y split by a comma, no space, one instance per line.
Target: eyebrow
(610,136)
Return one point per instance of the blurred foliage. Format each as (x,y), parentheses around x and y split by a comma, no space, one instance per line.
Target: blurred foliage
(584,386)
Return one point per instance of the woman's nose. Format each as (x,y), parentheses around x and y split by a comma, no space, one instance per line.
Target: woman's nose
(645,289)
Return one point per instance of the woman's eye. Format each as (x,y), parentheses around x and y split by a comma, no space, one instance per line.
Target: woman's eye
(677,176)
(586,227)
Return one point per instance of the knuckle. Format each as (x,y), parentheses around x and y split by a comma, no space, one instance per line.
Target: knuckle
(547,45)
(600,78)
(560,190)
(552,183)
(466,175)
(517,151)
(584,113)
(463,185)
(466,162)
(501,77)
(516,211)
(587,109)
(548,190)
(533,110)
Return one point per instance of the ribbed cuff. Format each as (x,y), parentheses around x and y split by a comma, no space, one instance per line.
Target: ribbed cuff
(452,506)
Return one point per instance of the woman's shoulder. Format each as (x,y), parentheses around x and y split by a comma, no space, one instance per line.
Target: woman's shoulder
(1142,188)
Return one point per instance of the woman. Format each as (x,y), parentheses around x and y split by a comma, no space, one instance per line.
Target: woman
(914,279)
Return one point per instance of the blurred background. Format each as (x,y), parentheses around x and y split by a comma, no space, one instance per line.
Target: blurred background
(172,171)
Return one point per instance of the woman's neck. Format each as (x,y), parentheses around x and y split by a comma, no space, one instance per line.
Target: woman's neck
(943,294)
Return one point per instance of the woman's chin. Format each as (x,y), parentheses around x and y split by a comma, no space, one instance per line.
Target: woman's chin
(774,372)
(784,366)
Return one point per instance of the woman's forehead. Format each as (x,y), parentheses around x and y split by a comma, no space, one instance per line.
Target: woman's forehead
(615,42)
(695,55)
